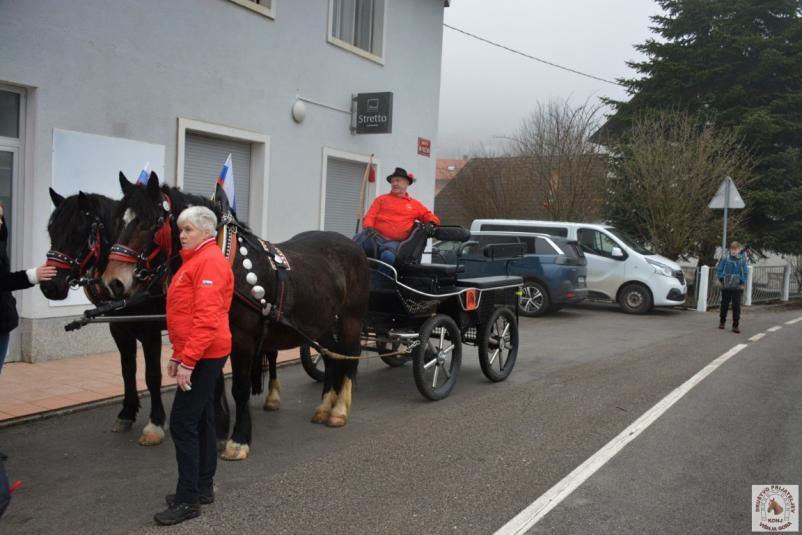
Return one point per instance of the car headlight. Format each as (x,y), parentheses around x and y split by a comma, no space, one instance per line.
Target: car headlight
(660,269)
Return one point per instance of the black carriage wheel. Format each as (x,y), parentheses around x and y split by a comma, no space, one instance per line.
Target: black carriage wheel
(534,300)
(498,344)
(312,361)
(437,360)
(393,361)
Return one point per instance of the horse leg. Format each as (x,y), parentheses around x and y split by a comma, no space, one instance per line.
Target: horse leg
(126,344)
(329,398)
(350,344)
(222,416)
(238,447)
(273,399)
(151,338)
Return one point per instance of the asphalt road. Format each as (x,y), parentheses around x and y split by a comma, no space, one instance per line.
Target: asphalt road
(471,462)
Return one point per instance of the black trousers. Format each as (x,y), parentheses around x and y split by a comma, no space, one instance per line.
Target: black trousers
(728,296)
(193,432)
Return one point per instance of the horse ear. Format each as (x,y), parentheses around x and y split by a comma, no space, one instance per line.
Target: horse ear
(83,201)
(153,186)
(56,198)
(125,184)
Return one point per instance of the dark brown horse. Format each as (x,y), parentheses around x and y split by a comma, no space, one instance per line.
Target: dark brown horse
(316,283)
(81,232)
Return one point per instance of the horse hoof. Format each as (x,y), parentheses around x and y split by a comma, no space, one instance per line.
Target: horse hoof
(320,417)
(121,425)
(336,420)
(235,451)
(221,445)
(152,435)
(272,405)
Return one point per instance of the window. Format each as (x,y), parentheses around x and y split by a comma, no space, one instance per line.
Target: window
(358,26)
(595,242)
(263,7)
(544,247)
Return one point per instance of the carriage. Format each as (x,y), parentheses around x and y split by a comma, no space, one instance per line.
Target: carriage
(426,312)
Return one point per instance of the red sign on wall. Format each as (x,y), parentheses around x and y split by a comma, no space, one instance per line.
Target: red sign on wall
(424,147)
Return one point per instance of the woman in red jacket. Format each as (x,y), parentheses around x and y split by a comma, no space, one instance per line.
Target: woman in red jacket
(198,302)
(390,218)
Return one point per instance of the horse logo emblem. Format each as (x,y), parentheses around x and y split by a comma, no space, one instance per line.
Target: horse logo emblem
(774,508)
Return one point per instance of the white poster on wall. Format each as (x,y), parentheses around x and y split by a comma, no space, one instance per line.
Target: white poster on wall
(92,163)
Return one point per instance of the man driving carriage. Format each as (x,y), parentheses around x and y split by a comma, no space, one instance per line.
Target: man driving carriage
(390,218)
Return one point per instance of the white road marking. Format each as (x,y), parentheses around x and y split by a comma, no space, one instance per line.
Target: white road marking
(791,322)
(530,516)
(757,337)
(775,328)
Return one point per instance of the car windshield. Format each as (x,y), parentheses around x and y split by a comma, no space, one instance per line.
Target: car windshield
(629,242)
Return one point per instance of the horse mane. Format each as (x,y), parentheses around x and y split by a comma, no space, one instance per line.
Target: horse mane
(182,200)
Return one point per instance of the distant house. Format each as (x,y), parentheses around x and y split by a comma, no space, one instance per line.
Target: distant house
(521,188)
(445,171)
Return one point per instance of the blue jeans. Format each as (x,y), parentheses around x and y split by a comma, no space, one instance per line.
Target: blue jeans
(378,247)
(3,348)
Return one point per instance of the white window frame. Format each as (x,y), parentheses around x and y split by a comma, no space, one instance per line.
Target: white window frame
(15,146)
(377,58)
(260,156)
(269,12)
(370,194)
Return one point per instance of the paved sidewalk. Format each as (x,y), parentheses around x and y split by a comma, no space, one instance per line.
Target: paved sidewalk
(32,389)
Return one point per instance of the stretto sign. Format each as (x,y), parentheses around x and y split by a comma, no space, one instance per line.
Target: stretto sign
(372,113)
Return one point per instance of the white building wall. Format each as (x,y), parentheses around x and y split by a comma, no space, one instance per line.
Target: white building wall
(132,69)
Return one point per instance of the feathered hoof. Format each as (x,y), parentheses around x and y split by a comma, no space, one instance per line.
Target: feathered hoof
(152,435)
(120,426)
(235,451)
(336,420)
(320,417)
(272,404)
(221,444)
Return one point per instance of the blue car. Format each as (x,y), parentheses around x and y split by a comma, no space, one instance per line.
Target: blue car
(554,269)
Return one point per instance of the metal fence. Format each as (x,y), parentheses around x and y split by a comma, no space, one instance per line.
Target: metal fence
(767,285)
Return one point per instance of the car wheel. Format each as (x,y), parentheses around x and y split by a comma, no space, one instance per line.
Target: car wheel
(534,300)
(635,299)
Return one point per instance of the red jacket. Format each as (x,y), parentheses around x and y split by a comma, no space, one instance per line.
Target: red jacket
(393,216)
(198,301)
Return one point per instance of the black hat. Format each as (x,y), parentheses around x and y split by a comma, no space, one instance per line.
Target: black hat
(403,174)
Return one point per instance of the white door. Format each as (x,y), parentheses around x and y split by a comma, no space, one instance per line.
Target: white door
(8,171)
(605,273)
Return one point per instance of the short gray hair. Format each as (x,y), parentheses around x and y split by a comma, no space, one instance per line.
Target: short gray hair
(199,217)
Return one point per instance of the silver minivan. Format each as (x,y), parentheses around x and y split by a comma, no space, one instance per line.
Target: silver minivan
(618,269)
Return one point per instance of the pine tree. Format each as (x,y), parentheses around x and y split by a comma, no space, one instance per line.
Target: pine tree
(737,63)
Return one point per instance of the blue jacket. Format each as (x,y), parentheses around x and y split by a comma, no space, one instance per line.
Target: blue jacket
(732,265)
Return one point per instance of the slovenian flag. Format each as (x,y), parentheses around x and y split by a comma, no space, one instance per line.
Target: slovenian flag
(226,182)
(144,175)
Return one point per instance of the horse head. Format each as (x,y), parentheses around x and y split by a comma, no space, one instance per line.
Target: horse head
(774,507)
(80,237)
(144,219)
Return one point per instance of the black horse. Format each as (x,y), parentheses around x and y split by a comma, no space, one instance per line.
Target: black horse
(82,230)
(317,283)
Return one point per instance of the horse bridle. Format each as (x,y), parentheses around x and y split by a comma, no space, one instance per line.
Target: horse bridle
(162,243)
(96,242)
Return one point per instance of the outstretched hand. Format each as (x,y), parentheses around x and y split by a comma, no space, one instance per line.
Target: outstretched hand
(45,273)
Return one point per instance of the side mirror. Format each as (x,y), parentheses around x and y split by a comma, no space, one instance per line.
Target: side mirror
(617,252)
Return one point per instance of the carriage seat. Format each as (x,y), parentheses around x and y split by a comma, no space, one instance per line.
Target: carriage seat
(409,254)
(488,283)
(432,269)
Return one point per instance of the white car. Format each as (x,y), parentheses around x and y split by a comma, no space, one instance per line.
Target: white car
(618,269)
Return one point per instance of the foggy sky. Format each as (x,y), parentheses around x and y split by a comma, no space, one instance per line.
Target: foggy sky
(486,91)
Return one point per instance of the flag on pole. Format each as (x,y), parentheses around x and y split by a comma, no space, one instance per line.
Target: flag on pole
(144,175)
(226,183)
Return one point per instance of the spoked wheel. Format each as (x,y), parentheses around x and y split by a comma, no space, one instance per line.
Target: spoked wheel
(498,345)
(437,360)
(312,361)
(393,361)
